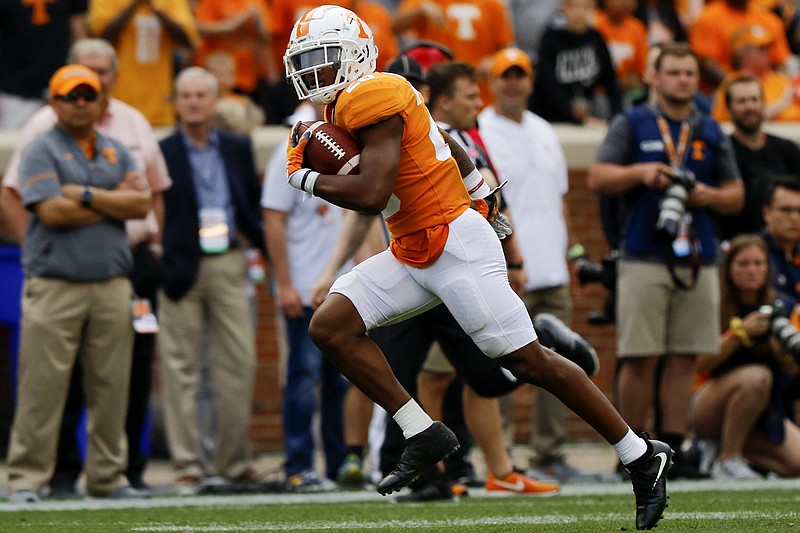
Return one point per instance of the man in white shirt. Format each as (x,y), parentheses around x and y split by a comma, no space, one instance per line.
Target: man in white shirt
(526,151)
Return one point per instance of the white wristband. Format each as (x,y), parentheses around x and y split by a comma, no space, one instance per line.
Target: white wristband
(475,184)
(304,179)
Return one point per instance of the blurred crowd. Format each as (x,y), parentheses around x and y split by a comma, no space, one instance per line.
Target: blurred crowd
(707,312)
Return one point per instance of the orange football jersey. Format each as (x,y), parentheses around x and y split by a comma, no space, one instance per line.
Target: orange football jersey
(429,192)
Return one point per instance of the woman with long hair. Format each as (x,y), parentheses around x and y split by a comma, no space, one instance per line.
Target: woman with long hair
(745,401)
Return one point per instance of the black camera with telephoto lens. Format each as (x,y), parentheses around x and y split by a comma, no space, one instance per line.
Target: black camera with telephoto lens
(782,328)
(673,204)
(604,273)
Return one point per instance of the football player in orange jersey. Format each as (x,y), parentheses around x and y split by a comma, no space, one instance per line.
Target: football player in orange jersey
(441,252)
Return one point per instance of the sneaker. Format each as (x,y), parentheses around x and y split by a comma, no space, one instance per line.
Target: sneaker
(471,482)
(459,490)
(648,475)
(309,481)
(733,467)
(709,450)
(127,493)
(351,472)
(563,472)
(518,483)
(557,336)
(187,485)
(23,496)
(436,491)
(422,450)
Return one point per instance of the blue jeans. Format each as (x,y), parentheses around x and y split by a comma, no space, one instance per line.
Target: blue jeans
(306,369)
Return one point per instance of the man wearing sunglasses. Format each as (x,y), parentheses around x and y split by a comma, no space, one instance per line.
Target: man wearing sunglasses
(129,126)
(80,186)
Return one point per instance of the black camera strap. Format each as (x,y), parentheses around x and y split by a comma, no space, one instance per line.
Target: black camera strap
(694,265)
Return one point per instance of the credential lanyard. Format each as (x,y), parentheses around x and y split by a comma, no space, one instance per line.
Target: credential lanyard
(676,155)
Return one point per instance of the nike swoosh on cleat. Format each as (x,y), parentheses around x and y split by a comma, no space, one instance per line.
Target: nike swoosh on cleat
(663,458)
(517,486)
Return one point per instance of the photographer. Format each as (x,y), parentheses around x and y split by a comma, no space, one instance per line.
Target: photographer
(782,234)
(745,401)
(675,172)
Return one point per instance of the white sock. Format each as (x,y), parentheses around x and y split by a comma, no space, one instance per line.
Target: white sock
(630,447)
(412,419)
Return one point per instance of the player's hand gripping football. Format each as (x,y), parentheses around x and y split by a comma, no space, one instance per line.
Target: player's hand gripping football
(299,177)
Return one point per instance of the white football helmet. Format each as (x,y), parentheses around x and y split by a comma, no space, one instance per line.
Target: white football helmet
(330,47)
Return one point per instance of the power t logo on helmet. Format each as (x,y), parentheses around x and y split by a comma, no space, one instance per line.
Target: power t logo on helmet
(330,47)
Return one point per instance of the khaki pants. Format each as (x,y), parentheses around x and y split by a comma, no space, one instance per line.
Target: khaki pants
(217,305)
(62,320)
(549,428)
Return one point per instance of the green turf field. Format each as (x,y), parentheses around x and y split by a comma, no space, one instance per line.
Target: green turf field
(751,507)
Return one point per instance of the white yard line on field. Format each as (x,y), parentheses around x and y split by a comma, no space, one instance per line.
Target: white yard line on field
(589,489)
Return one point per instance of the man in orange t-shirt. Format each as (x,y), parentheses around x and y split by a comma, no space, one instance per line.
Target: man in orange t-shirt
(751,58)
(472,30)
(238,27)
(441,251)
(626,38)
(712,34)
(145,35)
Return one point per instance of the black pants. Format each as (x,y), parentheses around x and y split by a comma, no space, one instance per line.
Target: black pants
(406,347)
(145,281)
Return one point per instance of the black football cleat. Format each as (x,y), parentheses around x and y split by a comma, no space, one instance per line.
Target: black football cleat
(422,451)
(649,477)
(557,336)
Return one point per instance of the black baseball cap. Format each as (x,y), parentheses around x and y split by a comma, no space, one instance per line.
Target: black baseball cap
(406,67)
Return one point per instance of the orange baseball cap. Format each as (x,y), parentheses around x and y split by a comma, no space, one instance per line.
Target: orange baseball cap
(65,79)
(508,58)
(753,35)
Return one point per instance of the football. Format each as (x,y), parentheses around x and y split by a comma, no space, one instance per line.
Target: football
(331,149)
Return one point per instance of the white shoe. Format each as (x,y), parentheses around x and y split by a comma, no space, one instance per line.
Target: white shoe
(734,467)
(709,451)
(23,496)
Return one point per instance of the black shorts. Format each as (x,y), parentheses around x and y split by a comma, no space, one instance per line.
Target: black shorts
(407,343)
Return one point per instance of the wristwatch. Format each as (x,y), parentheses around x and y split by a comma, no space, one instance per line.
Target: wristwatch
(87,197)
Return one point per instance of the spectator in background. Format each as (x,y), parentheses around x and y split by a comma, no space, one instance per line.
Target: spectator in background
(661,20)
(235,112)
(426,53)
(667,295)
(745,403)
(145,33)
(751,58)
(786,10)
(471,30)
(379,20)
(211,217)
(782,235)
(34,40)
(760,156)
(626,38)
(127,125)
(77,295)
(530,19)
(239,28)
(576,81)
(526,151)
(712,37)
(301,235)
